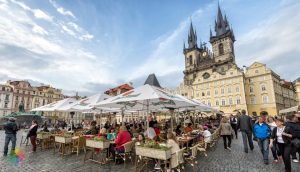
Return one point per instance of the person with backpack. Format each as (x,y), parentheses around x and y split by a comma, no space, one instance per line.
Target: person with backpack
(11,129)
(262,132)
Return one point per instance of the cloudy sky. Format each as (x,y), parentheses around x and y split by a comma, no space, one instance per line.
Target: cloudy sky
(89,46)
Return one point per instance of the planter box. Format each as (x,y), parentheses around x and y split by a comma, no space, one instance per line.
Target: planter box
(61,139)
(43,136)
(153,153)
(97,144)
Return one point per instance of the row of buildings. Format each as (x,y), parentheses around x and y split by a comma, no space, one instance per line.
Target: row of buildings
(16,94)
(214,78)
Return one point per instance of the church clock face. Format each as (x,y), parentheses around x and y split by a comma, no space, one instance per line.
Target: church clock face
(204,54)
(206,75)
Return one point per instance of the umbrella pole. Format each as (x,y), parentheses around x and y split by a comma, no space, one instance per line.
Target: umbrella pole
(123,124)
(172,113)
(147,114)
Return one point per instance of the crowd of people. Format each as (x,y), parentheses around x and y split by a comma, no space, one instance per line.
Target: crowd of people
(279,135)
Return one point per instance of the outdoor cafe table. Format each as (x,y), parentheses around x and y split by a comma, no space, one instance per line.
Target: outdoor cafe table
(102,147)
(144,153)
(63,142)
(185,140)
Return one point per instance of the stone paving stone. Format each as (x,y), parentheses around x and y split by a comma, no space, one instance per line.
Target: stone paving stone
(218,160)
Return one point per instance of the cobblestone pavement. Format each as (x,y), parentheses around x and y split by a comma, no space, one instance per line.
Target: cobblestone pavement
(217,160)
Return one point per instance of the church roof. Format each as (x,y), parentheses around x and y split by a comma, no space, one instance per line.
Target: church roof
(152,80)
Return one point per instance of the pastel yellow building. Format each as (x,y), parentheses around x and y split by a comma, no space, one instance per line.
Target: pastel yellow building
(297,87)
(215,79)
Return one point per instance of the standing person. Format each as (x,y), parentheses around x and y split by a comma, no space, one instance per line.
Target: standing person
(244,124)
(276,139)
(272,125)
(225,132)
(233,123)
(287,135)
(262,132)
(10,135)
(32,134)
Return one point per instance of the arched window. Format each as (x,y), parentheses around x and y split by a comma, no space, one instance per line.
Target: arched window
(221,49)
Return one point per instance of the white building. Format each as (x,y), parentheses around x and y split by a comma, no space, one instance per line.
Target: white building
(6,97)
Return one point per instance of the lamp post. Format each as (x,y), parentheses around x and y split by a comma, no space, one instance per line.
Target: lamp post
(72,115)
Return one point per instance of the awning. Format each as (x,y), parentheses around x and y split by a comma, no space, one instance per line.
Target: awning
(291,109)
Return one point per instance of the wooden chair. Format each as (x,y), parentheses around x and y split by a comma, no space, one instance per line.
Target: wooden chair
(192,159)
(128,147)
(78,144)
(202,147)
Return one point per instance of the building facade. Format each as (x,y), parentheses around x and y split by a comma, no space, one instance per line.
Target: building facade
(214,78)
(22,95)
(6,97)
(297,87)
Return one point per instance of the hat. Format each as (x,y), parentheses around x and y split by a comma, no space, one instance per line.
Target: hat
(205,127)
(123,128)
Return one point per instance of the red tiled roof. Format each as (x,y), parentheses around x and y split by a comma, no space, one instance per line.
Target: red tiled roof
(124,87)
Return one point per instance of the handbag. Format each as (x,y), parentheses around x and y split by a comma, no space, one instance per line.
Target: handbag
(296,143)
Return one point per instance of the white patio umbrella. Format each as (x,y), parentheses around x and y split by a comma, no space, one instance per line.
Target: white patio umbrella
(203,107)
(55,106)
(144,98)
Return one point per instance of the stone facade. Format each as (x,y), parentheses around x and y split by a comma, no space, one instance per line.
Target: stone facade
(215,79)
(6,97)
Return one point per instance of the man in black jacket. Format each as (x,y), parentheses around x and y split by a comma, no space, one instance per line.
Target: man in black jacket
(244,124)
(10,135)
(233,123)
(296,128)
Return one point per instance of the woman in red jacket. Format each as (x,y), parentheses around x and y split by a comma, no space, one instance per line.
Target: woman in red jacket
(122,138)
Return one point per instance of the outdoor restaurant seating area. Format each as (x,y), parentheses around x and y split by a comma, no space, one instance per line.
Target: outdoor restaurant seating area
(174,142)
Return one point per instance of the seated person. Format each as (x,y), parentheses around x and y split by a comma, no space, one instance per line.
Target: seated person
(140,139)
(206,134)
(55,129)
(112,135)
(122,138)
(45,127)
(178,130)
(150,132)
(156,129)
(102,132)
(172,141)
(189,128)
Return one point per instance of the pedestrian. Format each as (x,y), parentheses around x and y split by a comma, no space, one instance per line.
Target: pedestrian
(287,135)
(244,124)
(262,132)
(226,132)
(276,140)
(233,123)
(272,124)
(296,149)
(11,129)
(32,134)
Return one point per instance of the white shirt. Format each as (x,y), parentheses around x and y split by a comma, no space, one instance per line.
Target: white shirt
(279,134)
(206,135)
(150,133)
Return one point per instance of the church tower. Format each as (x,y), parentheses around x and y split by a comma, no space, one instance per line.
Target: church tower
(222,40)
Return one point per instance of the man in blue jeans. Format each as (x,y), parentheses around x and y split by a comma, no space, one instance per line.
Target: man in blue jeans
(262,132)
(10,135)
(245,126)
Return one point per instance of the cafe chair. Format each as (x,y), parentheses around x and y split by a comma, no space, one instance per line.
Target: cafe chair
(128,147)
(78,144)
(192,159)
(202,147)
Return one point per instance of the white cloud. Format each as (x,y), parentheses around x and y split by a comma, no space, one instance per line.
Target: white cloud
(68,31)
(41,15)
(61,10)
(38,29)
(86,37)
(26,45)
(274,41)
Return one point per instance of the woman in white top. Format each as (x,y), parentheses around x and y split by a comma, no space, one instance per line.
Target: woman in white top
(206,134)
(172,142)
(276,141)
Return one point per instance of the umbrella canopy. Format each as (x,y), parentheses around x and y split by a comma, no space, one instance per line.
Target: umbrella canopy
(55,106)
(203,107)
(86,104)
(145,97)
